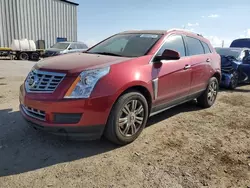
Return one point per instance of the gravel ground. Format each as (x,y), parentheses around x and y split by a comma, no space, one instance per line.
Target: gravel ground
(184,147)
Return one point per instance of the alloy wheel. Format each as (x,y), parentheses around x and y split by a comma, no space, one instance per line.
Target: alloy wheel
(212,92)
(131,118)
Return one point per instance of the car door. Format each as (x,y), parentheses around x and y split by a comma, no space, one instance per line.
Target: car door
(174,76)
(200,65)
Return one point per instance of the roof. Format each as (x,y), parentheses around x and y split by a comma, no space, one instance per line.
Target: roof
(160,32)
(71,42)
(70,2)
(145,31)
(243,39)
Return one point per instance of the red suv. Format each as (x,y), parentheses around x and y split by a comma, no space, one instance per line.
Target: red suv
(112,88)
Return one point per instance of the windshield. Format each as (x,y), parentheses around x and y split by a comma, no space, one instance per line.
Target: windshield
(60,45)
(126,45)
(229,52)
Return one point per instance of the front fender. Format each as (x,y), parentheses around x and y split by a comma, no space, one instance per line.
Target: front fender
(136,83)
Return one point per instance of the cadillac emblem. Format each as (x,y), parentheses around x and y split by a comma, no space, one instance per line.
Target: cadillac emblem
(33,81)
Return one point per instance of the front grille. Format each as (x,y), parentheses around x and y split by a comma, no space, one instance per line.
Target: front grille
(43,81)
(35,113)
(227,69)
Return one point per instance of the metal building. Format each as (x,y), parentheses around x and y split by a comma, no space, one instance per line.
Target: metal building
(48,21)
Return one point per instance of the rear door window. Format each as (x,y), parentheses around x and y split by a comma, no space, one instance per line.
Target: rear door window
(194,46)
(206,47)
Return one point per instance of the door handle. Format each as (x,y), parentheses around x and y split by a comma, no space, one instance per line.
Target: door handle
(208,60)
(187,67)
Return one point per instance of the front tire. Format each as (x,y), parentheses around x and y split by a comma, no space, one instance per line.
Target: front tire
(207,99)
(127,119)
(234,80)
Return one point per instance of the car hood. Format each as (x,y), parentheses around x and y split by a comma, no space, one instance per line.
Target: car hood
(77,62)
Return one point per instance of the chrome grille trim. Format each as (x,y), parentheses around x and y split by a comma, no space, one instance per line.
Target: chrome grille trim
(42,81)
(35,113)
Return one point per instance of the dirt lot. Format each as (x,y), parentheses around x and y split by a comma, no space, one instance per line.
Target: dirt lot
(183,147)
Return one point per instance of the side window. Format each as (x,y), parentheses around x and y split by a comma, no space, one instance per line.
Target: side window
(73,46)
(194,46)
(173,42)
(206,48)
(81,46)
(84,46)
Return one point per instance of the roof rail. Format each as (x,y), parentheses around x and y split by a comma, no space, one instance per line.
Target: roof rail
(186,30)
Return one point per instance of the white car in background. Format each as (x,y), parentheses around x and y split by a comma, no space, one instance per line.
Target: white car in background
(65,48)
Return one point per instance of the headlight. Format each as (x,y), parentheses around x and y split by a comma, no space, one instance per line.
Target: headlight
(85,83)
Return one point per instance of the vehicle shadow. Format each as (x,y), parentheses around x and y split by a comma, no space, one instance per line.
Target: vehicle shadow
(186,107)
(23,149)
(240,88)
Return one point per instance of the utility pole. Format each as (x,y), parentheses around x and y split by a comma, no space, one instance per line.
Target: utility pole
(222,45)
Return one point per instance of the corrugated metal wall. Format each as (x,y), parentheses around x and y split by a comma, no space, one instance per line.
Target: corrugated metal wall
(37,20)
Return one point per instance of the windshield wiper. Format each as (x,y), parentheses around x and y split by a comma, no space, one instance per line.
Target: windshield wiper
(107,53)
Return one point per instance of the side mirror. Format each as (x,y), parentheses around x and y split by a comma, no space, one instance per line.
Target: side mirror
(168,55)
(69,48)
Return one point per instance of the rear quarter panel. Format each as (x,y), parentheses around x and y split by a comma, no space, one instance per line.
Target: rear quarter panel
(215,65)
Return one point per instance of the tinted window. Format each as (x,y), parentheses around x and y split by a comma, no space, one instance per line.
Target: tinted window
(194,46)
(173,42)
(206,48)
(128,45)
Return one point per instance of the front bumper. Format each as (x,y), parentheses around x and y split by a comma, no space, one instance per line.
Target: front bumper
(85,118)
(225,80)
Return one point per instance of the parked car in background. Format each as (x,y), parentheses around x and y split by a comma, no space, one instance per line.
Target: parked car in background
(113,87)
(240,43)
(235,66)
(65,48)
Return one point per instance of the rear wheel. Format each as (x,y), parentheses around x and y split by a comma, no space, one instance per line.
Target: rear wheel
(209,96)
(127,118)
(234,80)
(23,56)
(34,56)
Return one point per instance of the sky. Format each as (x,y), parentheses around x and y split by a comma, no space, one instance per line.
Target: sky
(216,20)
